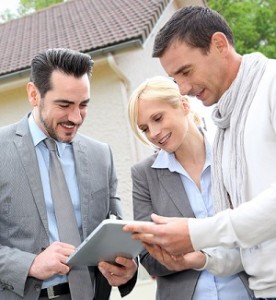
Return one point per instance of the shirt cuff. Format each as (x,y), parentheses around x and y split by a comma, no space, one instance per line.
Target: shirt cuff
(206,262)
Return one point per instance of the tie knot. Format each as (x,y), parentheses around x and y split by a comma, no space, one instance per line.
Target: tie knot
(50,144)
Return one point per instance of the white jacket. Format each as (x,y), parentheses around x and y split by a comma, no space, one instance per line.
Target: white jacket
(251,226)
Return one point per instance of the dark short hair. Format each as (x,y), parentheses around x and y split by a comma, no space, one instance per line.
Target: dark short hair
(193,25)
(65,60)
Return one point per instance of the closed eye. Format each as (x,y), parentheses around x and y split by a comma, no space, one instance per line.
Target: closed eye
(185,73)
(143,129)
(84,103)
(157,118)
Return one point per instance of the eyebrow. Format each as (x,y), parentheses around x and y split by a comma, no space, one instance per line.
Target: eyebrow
(65,101)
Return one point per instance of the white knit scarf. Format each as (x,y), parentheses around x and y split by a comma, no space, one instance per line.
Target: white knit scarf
(231,112)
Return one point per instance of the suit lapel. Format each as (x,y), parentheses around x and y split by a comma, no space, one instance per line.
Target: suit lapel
(172,183)
(27,154)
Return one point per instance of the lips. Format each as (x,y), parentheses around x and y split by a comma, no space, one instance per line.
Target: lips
(69,126)
(164,139)
(199,94)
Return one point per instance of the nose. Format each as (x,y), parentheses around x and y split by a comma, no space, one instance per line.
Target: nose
(153,132)
(185,87)
(75,116)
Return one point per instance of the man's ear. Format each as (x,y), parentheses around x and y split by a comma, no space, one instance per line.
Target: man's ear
(220,42)
(33,94)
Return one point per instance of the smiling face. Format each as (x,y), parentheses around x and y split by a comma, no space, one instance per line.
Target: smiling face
(205,76)
(62,110)
(164,126)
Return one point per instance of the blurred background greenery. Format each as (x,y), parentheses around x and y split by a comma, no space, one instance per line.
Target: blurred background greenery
(253,23)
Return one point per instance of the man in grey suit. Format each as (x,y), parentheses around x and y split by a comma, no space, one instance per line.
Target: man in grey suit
(32,257)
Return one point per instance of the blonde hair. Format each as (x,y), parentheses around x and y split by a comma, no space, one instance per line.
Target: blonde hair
(157,88)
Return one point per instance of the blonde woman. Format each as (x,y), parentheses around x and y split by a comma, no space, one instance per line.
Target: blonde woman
(175,182)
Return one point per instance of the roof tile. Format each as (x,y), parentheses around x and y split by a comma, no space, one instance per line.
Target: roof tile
(83,25)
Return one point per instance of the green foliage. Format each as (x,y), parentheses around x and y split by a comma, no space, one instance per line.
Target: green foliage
(27,6)
(7,15)
(253,23)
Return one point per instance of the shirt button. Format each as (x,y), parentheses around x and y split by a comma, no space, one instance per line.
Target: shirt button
(37,287)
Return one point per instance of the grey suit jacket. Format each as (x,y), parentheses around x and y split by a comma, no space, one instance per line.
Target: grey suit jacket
(23,220)
(162,192)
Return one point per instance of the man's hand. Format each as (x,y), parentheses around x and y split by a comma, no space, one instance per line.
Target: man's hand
(193,260)
(119,273)
(171,234)
(51,261)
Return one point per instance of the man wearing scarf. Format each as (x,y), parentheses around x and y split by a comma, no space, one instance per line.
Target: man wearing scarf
(196,48)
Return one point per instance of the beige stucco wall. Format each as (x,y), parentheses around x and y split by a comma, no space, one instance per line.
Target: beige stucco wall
(106,121)
(13,105)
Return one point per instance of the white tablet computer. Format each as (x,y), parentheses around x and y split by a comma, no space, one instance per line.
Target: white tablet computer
(105,243)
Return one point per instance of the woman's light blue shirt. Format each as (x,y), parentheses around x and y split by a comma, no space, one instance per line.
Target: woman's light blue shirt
(209,286)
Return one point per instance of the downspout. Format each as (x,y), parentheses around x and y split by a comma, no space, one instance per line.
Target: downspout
(113,65)
(126,93)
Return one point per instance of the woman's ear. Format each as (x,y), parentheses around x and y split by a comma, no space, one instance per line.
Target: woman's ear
(33,94)
(185,103)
